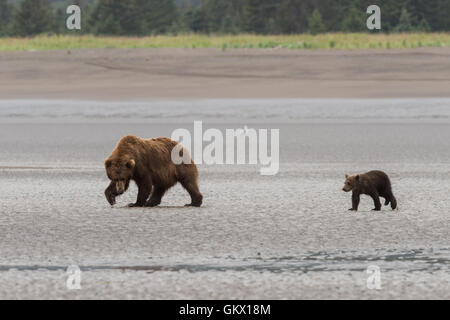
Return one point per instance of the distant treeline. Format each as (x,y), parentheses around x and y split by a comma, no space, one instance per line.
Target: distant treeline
(145,17)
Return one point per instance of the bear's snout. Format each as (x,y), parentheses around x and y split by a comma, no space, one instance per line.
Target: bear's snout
(120,187)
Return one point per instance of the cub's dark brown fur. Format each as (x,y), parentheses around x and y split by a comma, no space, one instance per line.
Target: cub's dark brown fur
(148,162)
(373,183)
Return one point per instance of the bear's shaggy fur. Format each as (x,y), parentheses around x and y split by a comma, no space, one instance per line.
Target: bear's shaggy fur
(375,184)
(148,162)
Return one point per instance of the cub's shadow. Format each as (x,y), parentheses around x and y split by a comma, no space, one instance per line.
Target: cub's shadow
(373,211)
(158,207)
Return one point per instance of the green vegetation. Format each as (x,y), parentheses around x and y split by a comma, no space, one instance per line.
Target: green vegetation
(152,17)
(5,17)
(225,42)
(315,24)
(32,17)
(355,21)
(404,23)
(223,24)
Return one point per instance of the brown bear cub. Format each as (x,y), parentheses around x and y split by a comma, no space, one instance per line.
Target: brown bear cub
(149,164)
(375,184)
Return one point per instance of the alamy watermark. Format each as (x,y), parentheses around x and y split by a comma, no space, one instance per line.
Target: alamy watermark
(374,279)
(374,21)
(73,281)
(241,146)
(73,22)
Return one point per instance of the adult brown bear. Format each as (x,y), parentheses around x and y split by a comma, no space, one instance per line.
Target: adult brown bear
(148,162)
(373,183)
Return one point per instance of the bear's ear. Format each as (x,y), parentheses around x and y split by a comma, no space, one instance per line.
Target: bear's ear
(357,177)
(346,176)
(108,163)
(130,164)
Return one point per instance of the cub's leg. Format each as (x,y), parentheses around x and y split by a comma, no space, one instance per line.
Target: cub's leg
(393,201)
(386,197)
(355,201)
(376,201)
(157,194)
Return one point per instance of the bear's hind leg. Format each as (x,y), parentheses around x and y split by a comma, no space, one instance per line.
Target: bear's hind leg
(156,196)
(194,192)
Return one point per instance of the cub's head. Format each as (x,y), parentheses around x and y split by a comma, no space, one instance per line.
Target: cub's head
(120,171)
(350,182)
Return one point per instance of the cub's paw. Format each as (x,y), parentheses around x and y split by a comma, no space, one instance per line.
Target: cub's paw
(376,209)
(134,205)
(351,209)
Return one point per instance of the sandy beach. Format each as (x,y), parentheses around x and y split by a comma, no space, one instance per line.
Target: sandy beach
(287,236)
(140,74)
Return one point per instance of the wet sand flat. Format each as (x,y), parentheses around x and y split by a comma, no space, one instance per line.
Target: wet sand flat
(286,236)
(140,74)
(256,237)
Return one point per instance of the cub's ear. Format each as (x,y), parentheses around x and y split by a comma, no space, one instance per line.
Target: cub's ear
(130,164)
(357,177)
(346,176)
(108,163)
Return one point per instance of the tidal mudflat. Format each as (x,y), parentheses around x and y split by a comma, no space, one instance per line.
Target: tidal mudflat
(285,236)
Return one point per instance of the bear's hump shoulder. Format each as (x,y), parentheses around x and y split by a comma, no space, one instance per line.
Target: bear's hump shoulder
(129,139)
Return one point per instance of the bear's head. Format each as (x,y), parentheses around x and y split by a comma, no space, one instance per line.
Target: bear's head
(120,171)
(350,182)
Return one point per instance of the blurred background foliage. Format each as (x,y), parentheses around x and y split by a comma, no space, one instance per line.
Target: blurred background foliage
(20,18)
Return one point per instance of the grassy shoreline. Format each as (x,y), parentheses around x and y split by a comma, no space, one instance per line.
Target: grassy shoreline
(303,41)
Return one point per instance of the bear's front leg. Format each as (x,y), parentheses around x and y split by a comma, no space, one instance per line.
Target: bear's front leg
(157,194)
(355,201)
(110,194)
(145,188)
